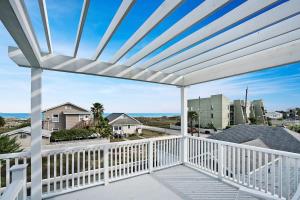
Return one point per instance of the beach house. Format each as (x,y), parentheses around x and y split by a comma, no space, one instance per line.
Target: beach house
(123,124)
(65,116)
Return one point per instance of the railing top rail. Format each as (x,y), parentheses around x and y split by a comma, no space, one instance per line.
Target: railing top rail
(114,144)
(15,155)
(264,150)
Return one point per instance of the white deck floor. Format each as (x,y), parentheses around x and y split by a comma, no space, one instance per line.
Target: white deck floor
(174,183)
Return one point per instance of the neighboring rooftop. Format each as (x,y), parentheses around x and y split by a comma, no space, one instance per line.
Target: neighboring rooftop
(261,136)
(27,130)
(65,104)
(121,118)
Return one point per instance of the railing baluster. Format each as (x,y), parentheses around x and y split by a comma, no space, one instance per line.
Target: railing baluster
(83,166)
(239,165)
(94,165)
(73,173)
(131,158)
(7,172)
(128,164)
(67,170)
(202,154)
(234,163)
(243,166)
(229,162)
(266,172)
(254,168)
(248,166)
(260,170)
(61,170)
(99,164)
(89,166)
(54,172)
(48,173)
(78,168)
(280,177)
(225,149)
(272,174)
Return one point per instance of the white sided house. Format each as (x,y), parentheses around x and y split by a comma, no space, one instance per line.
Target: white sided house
(123,124)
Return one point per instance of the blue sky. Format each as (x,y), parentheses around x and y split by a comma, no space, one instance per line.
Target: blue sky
(278,87)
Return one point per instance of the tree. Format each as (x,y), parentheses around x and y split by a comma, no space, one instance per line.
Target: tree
(253,120)
(192,115)
(8,145)
(97,111)
(2,121)
(101,125)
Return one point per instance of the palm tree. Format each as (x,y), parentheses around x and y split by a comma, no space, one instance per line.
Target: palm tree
(97,111)
(192,115)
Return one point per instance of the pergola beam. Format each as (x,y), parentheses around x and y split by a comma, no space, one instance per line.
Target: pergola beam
(83,15)
(275,35)
(70,64)
(14,17)
(201,12)
(241,12)
(116,21)
(277,56)
(44,15)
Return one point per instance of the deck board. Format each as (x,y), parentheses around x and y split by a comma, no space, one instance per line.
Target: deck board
(174,183)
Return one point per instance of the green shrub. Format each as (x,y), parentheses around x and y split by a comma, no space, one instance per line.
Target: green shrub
(72,134)
(9,145)
(295,128)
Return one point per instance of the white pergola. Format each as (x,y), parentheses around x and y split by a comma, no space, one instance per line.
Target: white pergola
(256,35)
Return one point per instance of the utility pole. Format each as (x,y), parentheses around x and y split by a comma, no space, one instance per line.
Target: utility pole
(246,99)
(199,118)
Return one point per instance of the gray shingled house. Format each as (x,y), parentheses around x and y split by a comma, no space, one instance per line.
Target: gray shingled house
(123,124)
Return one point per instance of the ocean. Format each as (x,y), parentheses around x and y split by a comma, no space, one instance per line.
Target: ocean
(27,115)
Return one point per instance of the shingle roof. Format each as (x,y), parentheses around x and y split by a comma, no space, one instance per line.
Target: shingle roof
(273,137)
(115,118)
(66,103)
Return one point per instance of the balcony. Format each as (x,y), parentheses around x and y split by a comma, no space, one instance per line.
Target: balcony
(159,168)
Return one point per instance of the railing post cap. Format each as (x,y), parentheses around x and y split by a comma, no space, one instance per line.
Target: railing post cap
(18,167)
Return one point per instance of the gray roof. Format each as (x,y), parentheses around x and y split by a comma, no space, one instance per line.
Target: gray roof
(66,103)
(27,130)
(115,118)
(259,135)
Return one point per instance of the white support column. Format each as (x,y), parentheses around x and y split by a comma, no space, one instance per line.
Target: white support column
(36,134)
(184,121)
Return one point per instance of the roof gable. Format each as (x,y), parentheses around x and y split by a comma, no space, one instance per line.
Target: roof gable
(65,104)
(121,118)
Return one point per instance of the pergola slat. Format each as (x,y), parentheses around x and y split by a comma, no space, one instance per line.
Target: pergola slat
(44,15)
(251,40)
(241,12)
(199,13)
(116,21)
(277,56)
(83,15)
(291,36)
(264,20)
(157,16)
(14,17)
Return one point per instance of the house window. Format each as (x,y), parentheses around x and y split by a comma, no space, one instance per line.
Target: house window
(81,117)
(120,128)
(211,107)
(212,115)
(55,129)
(55,118)
(128,126)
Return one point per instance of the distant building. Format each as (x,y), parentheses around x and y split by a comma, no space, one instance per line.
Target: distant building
(274,115)
(218,110)
(123,124)
(65,116)
(214,109)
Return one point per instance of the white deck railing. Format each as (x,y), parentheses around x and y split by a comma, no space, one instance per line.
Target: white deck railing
(74,168)
(16,190)
(265,171)
(272,172)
